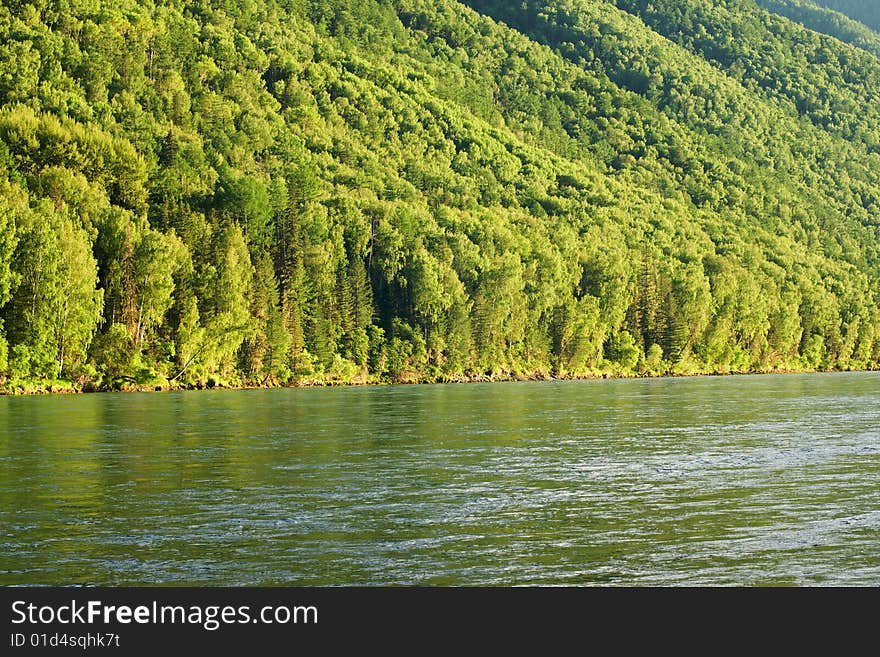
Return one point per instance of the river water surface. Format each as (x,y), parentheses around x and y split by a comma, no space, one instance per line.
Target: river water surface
(753,480)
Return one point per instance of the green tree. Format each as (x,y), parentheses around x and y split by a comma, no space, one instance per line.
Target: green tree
(55,309)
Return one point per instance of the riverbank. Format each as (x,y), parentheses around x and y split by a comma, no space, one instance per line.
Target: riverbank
(17,387)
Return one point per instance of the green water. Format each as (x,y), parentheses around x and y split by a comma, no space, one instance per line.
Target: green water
(703,481)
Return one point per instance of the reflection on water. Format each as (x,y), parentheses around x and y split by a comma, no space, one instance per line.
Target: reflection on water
(703,481)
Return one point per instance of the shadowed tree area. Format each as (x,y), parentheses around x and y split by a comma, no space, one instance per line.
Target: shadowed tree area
(865,11)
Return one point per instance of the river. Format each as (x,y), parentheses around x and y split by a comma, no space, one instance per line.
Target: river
(741,480)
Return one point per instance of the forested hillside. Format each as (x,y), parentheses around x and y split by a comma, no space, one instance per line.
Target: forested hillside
(291,191)
(865,11)
(827,21)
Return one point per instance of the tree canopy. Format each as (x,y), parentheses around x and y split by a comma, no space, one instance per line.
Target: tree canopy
(235,192)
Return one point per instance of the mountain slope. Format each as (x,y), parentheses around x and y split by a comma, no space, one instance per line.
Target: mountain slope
(827,21)
(283,191)
(865,11)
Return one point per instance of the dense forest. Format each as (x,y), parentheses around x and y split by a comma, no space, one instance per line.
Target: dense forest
(822,19)
(866,11)
(243,192)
